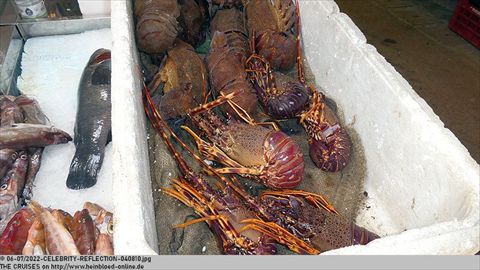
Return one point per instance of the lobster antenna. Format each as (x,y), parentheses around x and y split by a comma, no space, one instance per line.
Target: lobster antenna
(148,109)
(252,42)
(301,73)
(212,104)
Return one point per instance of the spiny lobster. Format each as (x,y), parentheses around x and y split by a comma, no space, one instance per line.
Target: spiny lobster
(282,97)
(305,222)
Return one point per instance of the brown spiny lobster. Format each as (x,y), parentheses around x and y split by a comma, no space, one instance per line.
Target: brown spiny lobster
(282,97)
(157,26)
(226,60)
(184,77)
(305,222)
(245,147)
(160,22)
(271,23)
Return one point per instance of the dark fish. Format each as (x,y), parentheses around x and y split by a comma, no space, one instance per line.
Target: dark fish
(93,121)
(23,136)
(10,113)
(33,115)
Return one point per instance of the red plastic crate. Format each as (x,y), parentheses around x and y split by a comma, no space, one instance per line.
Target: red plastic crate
(466,22)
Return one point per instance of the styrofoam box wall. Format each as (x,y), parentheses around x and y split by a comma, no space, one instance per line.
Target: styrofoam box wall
(95,7)
(422,183)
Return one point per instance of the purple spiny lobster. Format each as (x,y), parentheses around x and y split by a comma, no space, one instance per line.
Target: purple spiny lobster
(282,98)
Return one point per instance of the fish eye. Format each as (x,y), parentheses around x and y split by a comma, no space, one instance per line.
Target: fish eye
(4,186)
(110,228)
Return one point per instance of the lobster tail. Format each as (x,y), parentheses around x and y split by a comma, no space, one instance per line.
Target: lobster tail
(285,162)
(157,25)
(280,97)
(278,48)
(333,154)
(227,71)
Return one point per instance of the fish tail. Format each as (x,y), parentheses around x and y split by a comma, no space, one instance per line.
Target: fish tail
(84,169)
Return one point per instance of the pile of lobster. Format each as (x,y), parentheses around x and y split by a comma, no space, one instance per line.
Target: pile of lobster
(36,230)
(253,42)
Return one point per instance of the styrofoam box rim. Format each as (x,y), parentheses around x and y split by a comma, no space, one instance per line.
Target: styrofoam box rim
(457,230)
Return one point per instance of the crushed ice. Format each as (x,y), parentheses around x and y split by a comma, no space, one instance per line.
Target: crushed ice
(52,77)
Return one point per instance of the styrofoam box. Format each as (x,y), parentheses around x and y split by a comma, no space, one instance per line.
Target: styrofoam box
(422,183)
(95,7)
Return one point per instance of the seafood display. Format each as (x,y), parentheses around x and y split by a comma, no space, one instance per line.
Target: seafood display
(93,121)
(23,135)
(40,114)
(36,230)
(305,222)
(250,62)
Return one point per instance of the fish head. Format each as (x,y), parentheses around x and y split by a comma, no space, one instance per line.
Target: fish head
(99,56)
(57,136)
(8,198)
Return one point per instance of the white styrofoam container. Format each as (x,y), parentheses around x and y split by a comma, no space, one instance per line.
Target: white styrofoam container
(422,183)
(95,7)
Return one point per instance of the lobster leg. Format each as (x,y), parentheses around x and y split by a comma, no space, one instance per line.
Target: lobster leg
(315,199)
(191,197)
(210,150)
(206,93)
(222,99)
(198,220)
(155,83)
(280,235)
(247,118)
(317,106)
